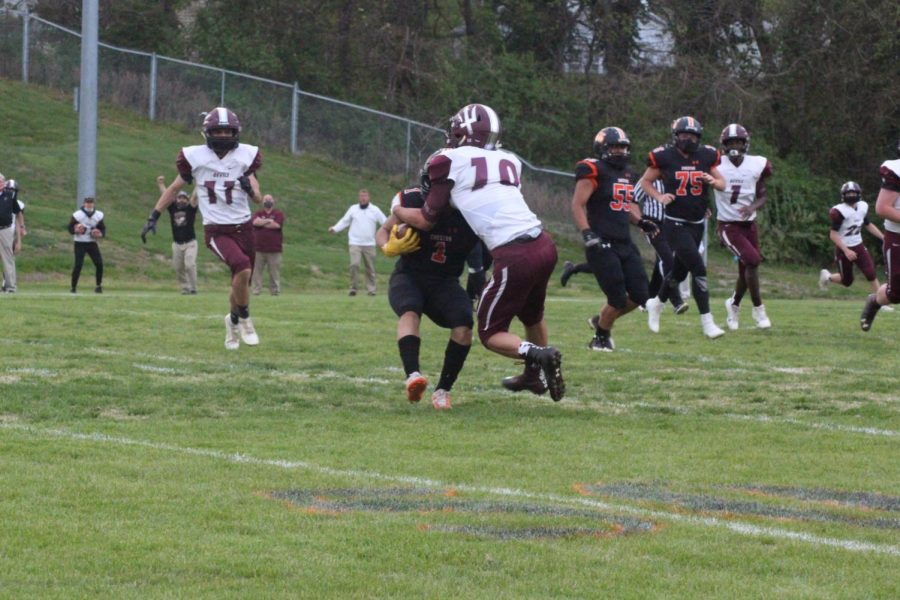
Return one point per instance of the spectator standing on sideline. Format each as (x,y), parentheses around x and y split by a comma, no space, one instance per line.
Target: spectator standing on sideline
(363,219)
(267,227)
(86,227)
(10,235)
(183,213)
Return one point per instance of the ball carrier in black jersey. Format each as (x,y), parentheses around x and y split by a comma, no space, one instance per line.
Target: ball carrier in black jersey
(426,280)
(602,209)
(687,169)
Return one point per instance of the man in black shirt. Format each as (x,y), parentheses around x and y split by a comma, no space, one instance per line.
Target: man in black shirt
(686,169)
(426,280)
(10,236)
(602,208)
(183,212)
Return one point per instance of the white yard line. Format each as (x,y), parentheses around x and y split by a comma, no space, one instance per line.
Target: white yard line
(237,458)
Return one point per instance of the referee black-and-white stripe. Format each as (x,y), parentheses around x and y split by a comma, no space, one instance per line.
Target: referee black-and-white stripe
(650,208)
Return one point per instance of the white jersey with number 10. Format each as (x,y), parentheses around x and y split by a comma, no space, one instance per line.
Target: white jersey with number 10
(487,191)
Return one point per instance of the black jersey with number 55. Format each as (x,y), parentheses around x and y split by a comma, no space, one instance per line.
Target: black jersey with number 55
(682,177)
(609,207)
(444,249)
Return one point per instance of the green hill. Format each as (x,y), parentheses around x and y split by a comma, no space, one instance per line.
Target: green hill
(40,150)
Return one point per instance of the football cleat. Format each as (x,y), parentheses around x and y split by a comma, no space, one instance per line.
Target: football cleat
(529,380)
(680,309)
(593,322)
(440,400)
(760,316)
(710,329)
(654,310)
(568,271)
(869,311)
(232,337)
(415,386)
(732,314)
(602,343)
(885,308)
(248,332)
(549,359)
(824,278)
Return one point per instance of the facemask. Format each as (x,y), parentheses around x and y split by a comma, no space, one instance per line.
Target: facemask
(366,205)
(268,204)
(86,211)
(688,146)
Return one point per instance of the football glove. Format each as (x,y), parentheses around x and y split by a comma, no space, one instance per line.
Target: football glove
(395,246)
(648,227)
(150,226)
(244,180)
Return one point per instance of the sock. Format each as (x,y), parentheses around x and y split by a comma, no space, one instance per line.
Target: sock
(234,318)
(454,358)
(409,353)
(243,312)
(602,332)
(524,347)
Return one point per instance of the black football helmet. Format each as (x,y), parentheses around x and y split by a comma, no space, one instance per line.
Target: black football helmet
(686,124)
(851,192)
(474,125)
(424,179)
(221,118)
(735,132)
(608,137)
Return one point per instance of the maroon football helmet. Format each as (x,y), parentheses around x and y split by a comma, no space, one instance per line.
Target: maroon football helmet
(851,192)
(735,132)
(218,119)
(474,125)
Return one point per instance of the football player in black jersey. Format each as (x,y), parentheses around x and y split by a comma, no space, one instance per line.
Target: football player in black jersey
(686,169)
(426,280)
(602,208)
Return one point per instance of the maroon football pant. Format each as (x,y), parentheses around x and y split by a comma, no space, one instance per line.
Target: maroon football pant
(863,261)
(233,244)
(518,286)
(892,265)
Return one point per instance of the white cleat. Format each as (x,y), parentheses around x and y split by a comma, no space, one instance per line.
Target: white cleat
(232,339)
(710,329)
(886,308)
(248,332)
(759,315)
(732,313)
(440,400)
(654,310)
(824,278)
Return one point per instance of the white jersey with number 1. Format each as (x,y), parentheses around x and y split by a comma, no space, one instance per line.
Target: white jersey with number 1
(487,191)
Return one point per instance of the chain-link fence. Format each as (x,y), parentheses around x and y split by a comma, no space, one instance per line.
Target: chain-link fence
(278,114)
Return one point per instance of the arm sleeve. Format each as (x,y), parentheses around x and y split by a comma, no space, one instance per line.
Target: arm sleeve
(889,179)
(439,195)
(72,224)
(102,226)
(256,165)
(836,219)
(184,168)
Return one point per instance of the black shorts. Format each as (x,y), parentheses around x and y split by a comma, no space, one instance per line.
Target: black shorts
(441,299)
(620,272)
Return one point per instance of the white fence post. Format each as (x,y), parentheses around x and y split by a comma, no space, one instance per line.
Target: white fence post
(152,110)
(26,20)
(222,94)
(295,115)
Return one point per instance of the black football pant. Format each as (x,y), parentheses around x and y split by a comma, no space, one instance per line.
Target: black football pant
(92,250)
(665,262)
(685,239)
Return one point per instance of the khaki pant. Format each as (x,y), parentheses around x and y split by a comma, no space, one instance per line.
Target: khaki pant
(8,257)
(184,259)
(272,260)
(365,254)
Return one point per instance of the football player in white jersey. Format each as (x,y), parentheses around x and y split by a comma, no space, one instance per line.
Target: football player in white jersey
(744,194)
(483,182)
(887,205)
(224,170)
(848,219)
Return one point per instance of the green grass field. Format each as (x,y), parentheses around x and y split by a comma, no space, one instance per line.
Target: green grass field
(141,459)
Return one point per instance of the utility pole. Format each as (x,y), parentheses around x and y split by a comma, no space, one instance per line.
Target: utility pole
(87,105)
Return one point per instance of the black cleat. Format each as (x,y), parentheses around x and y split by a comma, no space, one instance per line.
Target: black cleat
(529,380)
(602,343)
(549,359)
(680,309)
(98,289)
(568,271)
(869,311)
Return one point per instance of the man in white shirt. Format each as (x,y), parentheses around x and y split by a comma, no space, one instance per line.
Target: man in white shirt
(363,219)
